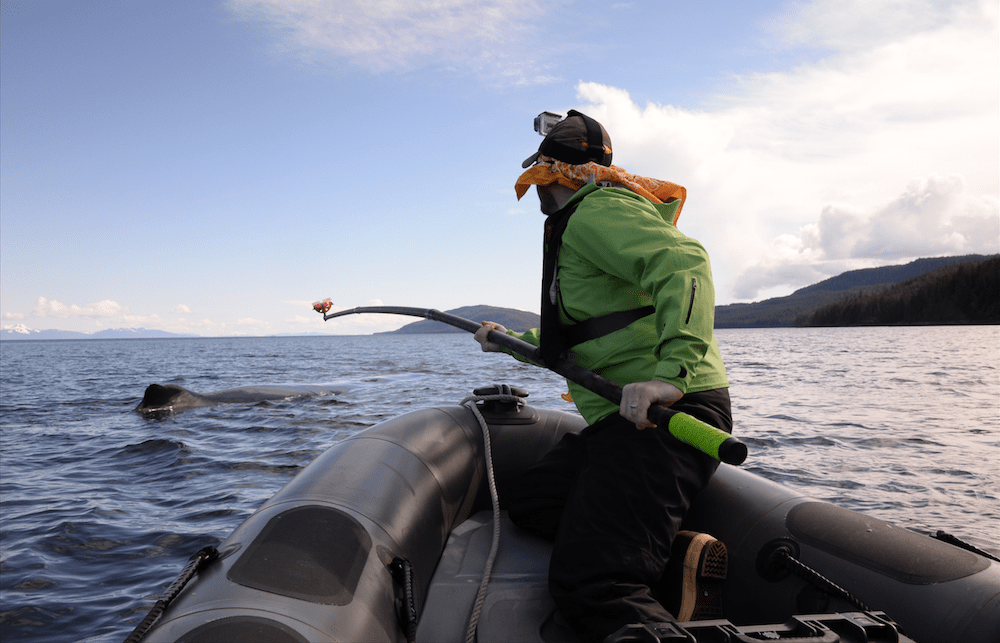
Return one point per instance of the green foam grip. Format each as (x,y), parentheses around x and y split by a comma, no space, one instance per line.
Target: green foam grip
(707,439)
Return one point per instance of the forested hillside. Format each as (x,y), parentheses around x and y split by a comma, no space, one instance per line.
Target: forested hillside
(794,309)
(967,293)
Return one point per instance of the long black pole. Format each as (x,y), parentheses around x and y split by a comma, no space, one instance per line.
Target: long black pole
(709,439)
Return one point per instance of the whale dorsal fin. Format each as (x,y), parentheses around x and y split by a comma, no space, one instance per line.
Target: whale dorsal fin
(158,396)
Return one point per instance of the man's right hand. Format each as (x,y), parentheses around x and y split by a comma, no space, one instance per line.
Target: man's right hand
(637,397)
(480,336)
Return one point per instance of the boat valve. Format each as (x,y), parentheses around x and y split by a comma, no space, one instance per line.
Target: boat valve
(771,565)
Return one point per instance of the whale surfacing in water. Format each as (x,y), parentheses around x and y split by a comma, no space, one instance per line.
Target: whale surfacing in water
(165,399)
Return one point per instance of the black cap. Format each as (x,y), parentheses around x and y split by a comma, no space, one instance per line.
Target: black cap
(575,140)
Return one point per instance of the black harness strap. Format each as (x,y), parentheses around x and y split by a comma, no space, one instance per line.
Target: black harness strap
(604,325)
(555,338)
(552,341)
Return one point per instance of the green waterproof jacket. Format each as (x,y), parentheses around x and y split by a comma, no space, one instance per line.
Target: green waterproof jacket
(620,252)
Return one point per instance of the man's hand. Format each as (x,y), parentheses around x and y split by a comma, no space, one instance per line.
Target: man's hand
(637,397)
(480,336)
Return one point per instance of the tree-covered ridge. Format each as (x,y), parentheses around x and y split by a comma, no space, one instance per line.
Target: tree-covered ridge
(967,293)
(793,309)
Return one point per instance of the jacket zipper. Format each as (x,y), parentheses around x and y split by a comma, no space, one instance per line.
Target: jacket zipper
(694,287)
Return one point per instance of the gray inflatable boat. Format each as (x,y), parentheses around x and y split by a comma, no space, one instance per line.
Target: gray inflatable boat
(386,537)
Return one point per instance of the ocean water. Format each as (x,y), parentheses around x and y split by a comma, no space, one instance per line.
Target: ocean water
(101,507)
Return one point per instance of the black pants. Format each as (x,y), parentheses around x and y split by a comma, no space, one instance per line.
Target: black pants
(612,499)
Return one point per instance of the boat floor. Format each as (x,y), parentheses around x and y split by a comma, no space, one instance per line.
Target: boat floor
(518,606)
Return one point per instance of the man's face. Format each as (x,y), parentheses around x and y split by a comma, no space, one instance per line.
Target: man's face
(553,197)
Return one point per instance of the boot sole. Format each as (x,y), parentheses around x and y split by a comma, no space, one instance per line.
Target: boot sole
(706,564)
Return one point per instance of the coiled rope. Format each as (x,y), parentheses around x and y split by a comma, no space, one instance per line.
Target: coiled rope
(504,396)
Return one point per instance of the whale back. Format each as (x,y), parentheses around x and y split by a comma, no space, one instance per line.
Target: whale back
(159,398)
(168,398)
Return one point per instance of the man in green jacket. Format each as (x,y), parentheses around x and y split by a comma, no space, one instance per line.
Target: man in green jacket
(628,296)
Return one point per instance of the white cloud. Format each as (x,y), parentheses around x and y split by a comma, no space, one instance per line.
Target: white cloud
(105,314)
(206,327)
(858,24)
(485,36)
(52,308)
(363,324)
(303,319)
(934,216)
(13,316)
(181,309)
(799,172)
(250,321)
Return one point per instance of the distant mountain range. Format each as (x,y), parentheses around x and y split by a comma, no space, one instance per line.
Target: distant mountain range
(21,331)
(925,291)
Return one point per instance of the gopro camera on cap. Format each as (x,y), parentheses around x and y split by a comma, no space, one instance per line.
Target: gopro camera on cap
(545,121)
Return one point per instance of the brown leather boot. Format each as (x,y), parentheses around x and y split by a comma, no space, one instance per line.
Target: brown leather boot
(691,587)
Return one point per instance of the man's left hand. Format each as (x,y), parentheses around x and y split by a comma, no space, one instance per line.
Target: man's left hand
(637,397)
(482,336)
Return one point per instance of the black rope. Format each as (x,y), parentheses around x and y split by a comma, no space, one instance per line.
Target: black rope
(196,563)
(810,575)
(406,608)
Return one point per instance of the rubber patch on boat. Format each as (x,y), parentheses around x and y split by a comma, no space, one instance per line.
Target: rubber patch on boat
(311,553)
(880,546)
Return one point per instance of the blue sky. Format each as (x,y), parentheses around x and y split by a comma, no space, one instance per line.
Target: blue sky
(213,167)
